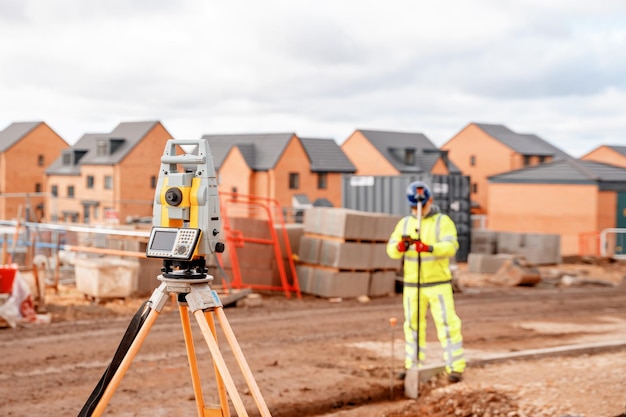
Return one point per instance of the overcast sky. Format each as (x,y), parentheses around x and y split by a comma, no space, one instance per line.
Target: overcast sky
(322,68)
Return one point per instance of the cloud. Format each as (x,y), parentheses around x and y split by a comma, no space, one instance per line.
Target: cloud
(320,68)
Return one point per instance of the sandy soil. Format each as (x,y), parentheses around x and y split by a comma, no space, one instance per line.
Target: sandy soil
(312,357)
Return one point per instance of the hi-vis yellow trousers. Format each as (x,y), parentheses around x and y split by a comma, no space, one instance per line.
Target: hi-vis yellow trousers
(439,299)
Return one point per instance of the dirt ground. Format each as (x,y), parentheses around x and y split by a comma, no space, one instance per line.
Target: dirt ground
(314,357)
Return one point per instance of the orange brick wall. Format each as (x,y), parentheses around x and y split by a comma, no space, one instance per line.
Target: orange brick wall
(234,174)
(491,157)
(607,210)
(365,157)
(20,170)
(133,192)
(567,210)
(293,160)
(606,155)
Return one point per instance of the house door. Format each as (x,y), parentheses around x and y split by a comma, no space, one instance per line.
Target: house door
(620,238)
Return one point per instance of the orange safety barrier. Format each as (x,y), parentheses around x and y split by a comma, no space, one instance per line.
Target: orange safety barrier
(589,244)
(266,209)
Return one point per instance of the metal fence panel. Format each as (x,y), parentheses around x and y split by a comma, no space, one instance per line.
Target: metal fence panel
(387,194)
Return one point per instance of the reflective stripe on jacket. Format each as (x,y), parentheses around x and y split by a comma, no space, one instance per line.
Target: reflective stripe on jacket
(438,231)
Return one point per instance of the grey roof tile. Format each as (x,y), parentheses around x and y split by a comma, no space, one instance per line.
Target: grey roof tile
(522,143)
(393,146)
(566,171)
(267,148)
(325,155)
(121,141)
(14,132)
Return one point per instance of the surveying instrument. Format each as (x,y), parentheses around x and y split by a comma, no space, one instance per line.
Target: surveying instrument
(186,226)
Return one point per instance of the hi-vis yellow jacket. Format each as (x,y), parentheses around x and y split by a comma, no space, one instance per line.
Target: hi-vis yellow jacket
(438,231)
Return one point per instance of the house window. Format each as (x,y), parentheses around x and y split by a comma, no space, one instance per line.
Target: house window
(108,182)
(90,181)
(542,159)
(67,159)
(54,190)
(38,187)
(294,181)
(322,180)
(153,181)
(526,160)
(409,156)
(40,160)
(474,188)
(473,160)
(70,191)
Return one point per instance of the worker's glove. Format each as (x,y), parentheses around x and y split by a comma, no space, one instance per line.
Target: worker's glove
(422,247)
(405,243)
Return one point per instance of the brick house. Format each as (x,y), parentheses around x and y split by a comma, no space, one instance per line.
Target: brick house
(481,150)
(568,197)
(382,153)
(107,177)
(610,154)
(280,166)
(26,149)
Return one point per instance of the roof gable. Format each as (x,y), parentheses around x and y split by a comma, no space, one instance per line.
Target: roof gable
(407,152)
(617,148)
(261,151)
(101,148)
(522,143)
(325,155)
(14,132)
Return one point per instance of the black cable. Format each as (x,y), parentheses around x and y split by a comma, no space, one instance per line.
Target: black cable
(131,333)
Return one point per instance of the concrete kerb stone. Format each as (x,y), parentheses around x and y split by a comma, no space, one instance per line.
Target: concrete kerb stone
(411,388)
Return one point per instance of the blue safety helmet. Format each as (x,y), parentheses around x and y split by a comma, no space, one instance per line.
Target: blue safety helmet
(418,191)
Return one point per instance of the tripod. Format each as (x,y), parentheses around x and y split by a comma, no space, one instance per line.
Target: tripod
(193,294)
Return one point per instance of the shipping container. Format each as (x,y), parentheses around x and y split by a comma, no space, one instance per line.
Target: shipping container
(387,194)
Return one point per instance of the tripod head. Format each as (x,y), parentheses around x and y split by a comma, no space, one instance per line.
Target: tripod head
(186,220)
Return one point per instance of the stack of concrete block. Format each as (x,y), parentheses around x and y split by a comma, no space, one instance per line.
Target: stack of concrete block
(342,253)
(484,242)
(536,248)
(257,260)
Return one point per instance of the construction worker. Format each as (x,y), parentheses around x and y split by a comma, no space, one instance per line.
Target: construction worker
(431,247)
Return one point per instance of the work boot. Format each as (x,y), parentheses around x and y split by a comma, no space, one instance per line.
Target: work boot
(454,377)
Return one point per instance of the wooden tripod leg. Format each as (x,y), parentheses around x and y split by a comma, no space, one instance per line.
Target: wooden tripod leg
(125,364)
(243,365)
(221,389)
(218,360)
(193,362)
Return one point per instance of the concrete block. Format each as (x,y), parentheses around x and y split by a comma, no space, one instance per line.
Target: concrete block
(487,248)
(345,255)
(537,248)
(486,263)
(380,260)
(306,276)
(309,249)
(384,225)
(258,255)
(339,222)
(329,283)
(250,227)
(382,283)
(484,236)
(294,234)
(251,275)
